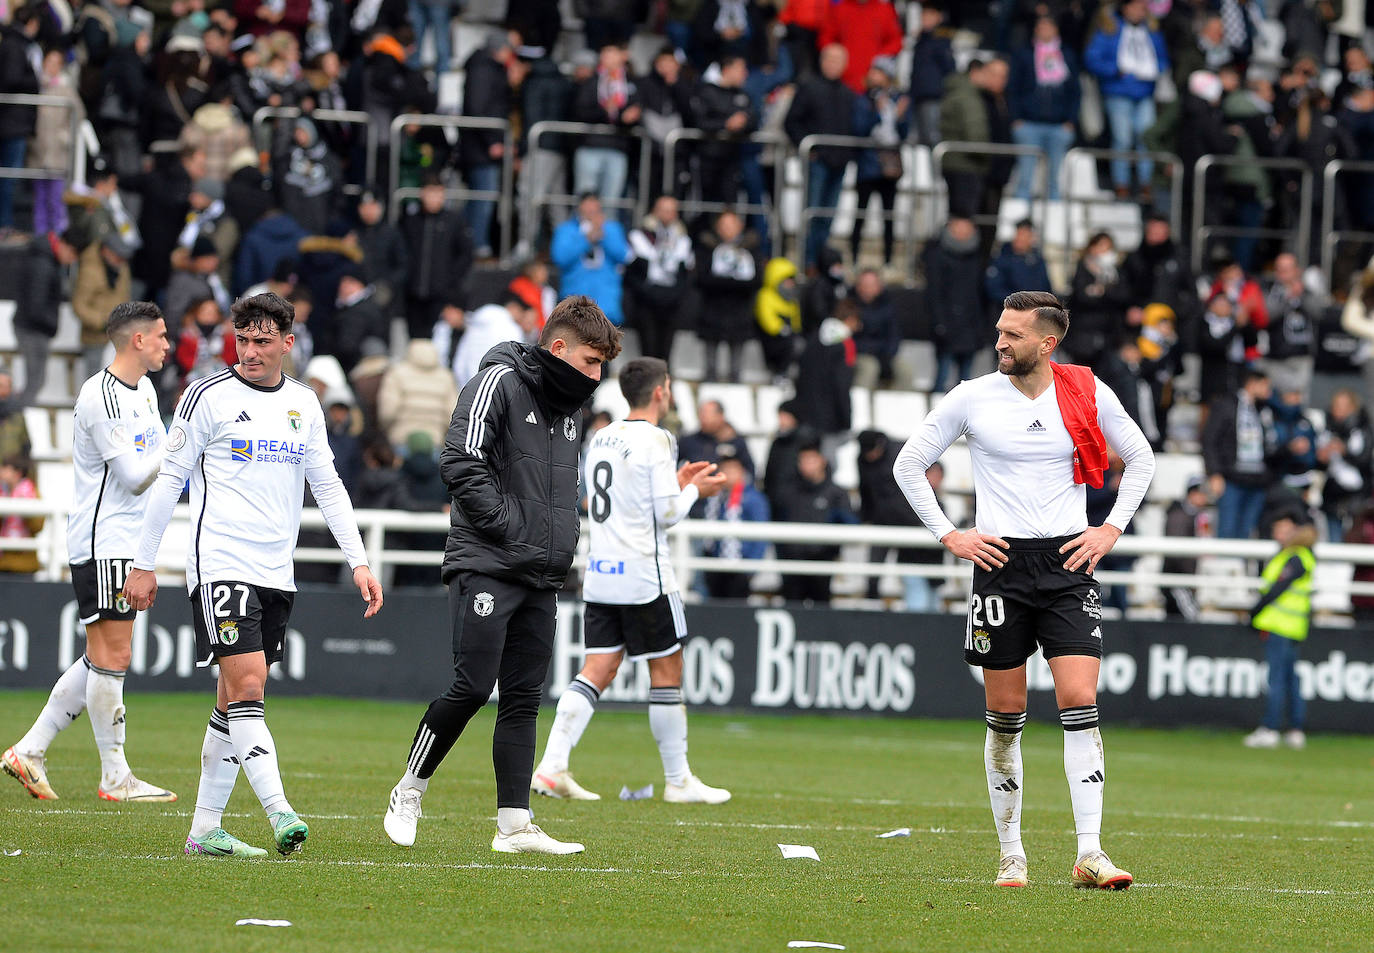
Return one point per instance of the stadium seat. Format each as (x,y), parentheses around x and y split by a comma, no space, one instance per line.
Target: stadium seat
(59,388)
(758,450)
(769,397)
(8,342)
(846,472)
(920,357)
(898,413)
(54,479)
(68,337)
(685,401)
(609,398)
(38,423)
(753,369)
(64,432)
(688,357)
(1172,471)
(860,408)
(737,400)
(1224,596)
(1331,586)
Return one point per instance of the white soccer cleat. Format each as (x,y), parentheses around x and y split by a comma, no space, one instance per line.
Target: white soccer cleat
(1096,870)
(30,771)
(531,840)
(132,789)
(402,815)
(560,784)
(1295,738)
(694,791)
(1011,872)
(1261,737)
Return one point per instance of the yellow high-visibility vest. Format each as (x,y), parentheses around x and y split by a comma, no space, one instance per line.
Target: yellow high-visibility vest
(1290,614)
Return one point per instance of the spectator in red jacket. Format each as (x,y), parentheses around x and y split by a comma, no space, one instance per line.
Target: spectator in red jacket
(1247,300)
(866,28)
(259,18)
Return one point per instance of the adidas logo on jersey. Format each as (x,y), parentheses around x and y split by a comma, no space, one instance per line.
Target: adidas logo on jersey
(243,418)
(530,418)
(1036,427)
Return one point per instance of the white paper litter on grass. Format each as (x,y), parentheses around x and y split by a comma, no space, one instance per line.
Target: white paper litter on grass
(643,794)
(255,922)
(814,944)
(790,851)
(899,832)
(13,853)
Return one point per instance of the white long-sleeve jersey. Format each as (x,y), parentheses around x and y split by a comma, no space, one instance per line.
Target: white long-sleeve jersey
(117,446)
(1022,456)
(247,450)
(632,498)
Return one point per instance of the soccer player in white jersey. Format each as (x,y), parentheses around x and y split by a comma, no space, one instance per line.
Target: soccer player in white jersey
(635,491)
(248,438)
(1034,554)
(117,447)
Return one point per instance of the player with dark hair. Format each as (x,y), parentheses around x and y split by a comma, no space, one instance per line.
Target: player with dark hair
(248,439)
(510,463)
(635,491)
(117,447)
(1037,433)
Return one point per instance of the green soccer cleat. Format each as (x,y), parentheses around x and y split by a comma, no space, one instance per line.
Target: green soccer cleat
(289,830)
(220,843)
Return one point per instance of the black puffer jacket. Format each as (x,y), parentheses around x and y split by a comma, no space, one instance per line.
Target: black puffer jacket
(513,481)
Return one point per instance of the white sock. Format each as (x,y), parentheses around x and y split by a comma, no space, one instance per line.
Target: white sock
(668,722)
(575,710)
(257,754)
(105,703)
(410,780)
(512,819)
(219,769)
(1002,759)
(1085,767)
(65,704)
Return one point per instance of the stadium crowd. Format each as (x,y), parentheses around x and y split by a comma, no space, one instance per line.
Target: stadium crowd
(185,206)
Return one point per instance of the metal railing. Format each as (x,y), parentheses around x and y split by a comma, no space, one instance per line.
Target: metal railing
(1302,243)
(1331,236)
(1169,159)
(262,135)
(942,149)
(502,196)
(77,146)
(50,544)
(638,205)
(773,140)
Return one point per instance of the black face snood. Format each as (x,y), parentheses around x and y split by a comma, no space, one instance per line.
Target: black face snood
(564,387)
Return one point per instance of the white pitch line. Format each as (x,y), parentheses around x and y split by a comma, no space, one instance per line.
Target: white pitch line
(1202,888)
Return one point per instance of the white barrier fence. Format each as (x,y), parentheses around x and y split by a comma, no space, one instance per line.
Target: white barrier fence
(1223,580)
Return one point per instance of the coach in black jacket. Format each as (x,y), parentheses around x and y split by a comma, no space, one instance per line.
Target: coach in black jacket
(510,464)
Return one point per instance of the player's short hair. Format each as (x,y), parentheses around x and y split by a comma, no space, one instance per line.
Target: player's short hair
(578,320)
(126,314)
(640,377)
(1047,307)
(268,309)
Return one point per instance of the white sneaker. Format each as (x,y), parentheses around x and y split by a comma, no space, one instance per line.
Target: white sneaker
(532,840)
(560,784)
(694,791)
(1295,738)
(1261,737)
(402,815)
(132,789)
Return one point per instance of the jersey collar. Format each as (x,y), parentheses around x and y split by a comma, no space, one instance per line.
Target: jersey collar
(233,369)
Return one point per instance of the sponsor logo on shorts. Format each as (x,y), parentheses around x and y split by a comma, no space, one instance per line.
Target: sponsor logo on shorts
(241,450)
(1092,605)
(569,428)
(982,642)
(293,417)
(228,632)
(177,438)
(483,604)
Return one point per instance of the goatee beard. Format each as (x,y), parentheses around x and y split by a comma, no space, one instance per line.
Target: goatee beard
(1019,367)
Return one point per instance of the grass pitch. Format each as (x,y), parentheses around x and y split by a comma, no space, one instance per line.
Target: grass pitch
(1232,849)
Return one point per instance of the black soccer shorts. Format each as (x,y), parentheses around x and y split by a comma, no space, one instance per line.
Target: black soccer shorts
(99,586)
(646,631)
(1032,601)
(236,618)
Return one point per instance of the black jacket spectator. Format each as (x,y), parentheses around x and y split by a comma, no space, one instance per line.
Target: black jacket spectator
(166,200)
(728,277)
(932,59)
(309,178)
(824,290)
(1098,303)
(355,320)
(440,258)
(880,335)
(385,261)
(545,94)
(825,372)
(780,475)
(586,107)
(712,44)
(1220,443)
(954,295)
(712,105)
(388,86)
(486,93)
(1346,449)
(16,76)
(822,106)
(1158,271)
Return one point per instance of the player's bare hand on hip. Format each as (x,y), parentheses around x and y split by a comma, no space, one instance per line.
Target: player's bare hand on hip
(978,548)
(370,588)
(687,473)
(1090,546)
(140,588)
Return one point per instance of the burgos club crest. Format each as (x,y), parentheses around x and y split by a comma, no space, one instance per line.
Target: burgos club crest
(121,603)
(982,642)
(293,417)
(228,632)
(483,604)
(569,428)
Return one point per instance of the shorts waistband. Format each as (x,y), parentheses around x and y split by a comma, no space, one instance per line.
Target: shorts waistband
(1050,543)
